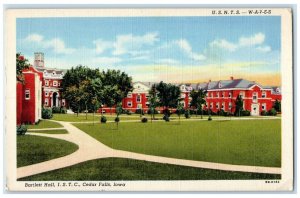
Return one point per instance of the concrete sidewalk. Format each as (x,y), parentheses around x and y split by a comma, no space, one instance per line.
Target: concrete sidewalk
(90,148)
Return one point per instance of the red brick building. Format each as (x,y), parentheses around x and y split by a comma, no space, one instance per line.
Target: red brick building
(41,88)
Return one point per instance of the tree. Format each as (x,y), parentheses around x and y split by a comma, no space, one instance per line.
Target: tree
(238,105)
(153,101)
(21,64)
(198,99)
(121,82)
(179,110)
(169,96)
(277,105)
(111,95)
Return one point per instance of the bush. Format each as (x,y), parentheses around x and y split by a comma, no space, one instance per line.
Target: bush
(264,113)
(47,113)
(55,109)
(245,113)
(117,119)
(272,112)
(21,129)
(167,112)
(166,118)
(187,114)
(209,118)
(103,119)
(144,120)
(139,111)
(154,112)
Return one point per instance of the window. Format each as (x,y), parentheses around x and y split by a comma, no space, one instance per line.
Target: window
(217,105)
(182,95)
(46,82)
(211,95)
(138,99)
(254,97)
(277,90)
(263,106)
(223,94)
(46,93)
(63,102)
(46,102)
(27,94)
(229,94)
(211,105)
(217,94)
(129,104)
(263,95)
(229,105)
(129,95)
(220,85)
(223,105)
(59,84)
(55,83)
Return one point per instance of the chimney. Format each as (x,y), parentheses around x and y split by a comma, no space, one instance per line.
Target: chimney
(209,80)
(231,77)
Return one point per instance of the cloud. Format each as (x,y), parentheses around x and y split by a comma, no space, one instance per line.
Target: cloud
(167,61)
(186,47)
(252,40)
(106,61)
(102,45)
(34,38)
(224,44)
(264,48)
(56,44)
(132,44)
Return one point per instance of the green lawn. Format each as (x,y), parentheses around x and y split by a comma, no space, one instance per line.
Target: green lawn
(59,131)
(44,124)
(242,142)
(128,169)
(33,149)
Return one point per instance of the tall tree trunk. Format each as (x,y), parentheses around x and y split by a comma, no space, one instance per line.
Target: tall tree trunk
(78,111)
(110,110)
(86,111)
(94,117)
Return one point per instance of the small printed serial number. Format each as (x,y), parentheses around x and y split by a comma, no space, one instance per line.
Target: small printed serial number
(272,182)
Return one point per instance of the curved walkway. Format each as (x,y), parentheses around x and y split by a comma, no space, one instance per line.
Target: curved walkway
(90,148)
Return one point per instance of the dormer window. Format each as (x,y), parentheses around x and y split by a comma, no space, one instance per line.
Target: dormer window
(220,85)
(53,73)
(183,87)
(199,87)
(277,90)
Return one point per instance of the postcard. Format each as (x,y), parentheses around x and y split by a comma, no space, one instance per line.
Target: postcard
(191,99)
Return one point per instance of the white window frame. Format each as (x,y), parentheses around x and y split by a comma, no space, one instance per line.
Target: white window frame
(211,105)
(129,95)
(46,101)
(63,102)
(254,94)
(229,95)
(46,93)
(218,95)
(223,106)
(218,105)
(46,83)
(54,83)
(229,105)
(223,94)
(129,103)
(242,94)
(263,94)
(139,98)
(263,106)
(27,97)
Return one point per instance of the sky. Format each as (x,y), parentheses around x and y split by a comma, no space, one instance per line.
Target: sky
(170,49)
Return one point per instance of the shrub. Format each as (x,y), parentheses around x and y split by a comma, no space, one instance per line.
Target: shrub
(209,118)
(56,110)
(187,114)
(128,112)
(117,119)
(103,119)
(154,111)
(245,113)
(166,118)
(139,111)
(264,113)
(144,120)
(167,112)
(21,129)
(47,113)
(63,110)
(272,112)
